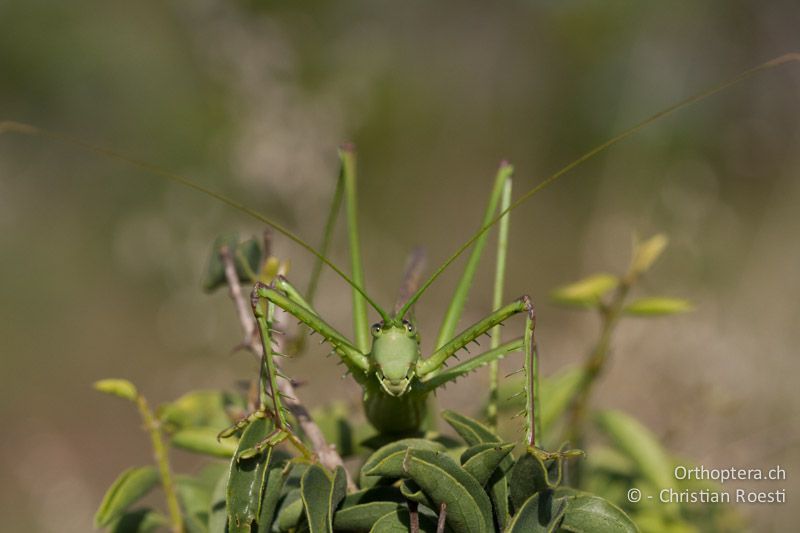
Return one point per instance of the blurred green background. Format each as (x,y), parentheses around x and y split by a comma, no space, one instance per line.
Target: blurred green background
(101,263)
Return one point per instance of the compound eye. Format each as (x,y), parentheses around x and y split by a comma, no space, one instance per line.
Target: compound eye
(409,326)
(376,329)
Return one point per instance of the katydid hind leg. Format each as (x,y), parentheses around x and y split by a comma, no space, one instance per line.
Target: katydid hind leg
(348,176)
(456,307)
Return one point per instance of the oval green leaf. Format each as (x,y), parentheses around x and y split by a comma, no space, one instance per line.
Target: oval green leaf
(482,460)
(444,481)
(126,490)
(248,476)
(139,521)
(363,516)
(204,441)
(372,474)
(474,433)
(290,511)
(271,498)
(217,514)
(375,494)
(531,474)
(657,306)
(205,409)
(118,387)
(587,513)
(586,292)
(321,493)
(400,522)
(196,492)
(413,492)
(541,513)
(645,253)
(639,443)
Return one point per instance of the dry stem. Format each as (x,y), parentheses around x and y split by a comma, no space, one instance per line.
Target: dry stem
(327,455)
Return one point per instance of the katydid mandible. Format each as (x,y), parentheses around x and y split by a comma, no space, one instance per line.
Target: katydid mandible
(385,358)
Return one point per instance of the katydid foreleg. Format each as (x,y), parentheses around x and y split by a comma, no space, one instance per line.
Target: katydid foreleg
(432,373)
(357,362)
(269,391)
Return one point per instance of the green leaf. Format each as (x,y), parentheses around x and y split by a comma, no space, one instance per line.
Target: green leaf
(533,473)
(400,522)
(204,441)
(370,503)
(557,392)
(639,443)
(290,511)
(391,469)
(247,256)
(196,493)
(375,494)
(217,513)
(271,498)
(482,460)
(474,433)
(248,476)
(586,292)
(118,387)
(645,253)
(541,513)
(657,306)
(139,521)
(126,490)
(322,493)
(363,516)
(497,487)
(587,513)
(411,491)
(609,460)
(444,481)
(205,409)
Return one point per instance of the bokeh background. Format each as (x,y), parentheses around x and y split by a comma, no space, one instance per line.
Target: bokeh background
(101,264)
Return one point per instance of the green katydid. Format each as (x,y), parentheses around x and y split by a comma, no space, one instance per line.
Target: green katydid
(385,359)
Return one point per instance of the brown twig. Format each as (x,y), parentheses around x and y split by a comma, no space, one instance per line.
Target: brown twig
(442,518)
(413,513)
(326,454)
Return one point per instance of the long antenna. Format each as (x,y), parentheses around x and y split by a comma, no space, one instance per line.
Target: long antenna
(27,129)
(778,61)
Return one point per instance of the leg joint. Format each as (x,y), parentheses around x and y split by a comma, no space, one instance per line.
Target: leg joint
(529,307)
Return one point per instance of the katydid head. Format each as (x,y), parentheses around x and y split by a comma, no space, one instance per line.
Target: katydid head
(395,352)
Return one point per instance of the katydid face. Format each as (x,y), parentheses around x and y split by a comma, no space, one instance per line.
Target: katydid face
(395,352)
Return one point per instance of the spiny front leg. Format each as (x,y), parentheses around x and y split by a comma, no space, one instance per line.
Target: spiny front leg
(268,391)
(435,380)
(432,367)
(284,297)
(435,362)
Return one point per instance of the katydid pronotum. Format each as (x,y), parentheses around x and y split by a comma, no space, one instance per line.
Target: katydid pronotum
(385,359)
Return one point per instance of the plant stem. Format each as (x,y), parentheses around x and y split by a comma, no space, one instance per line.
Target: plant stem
(153,427)
(327,455)
(594,365)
